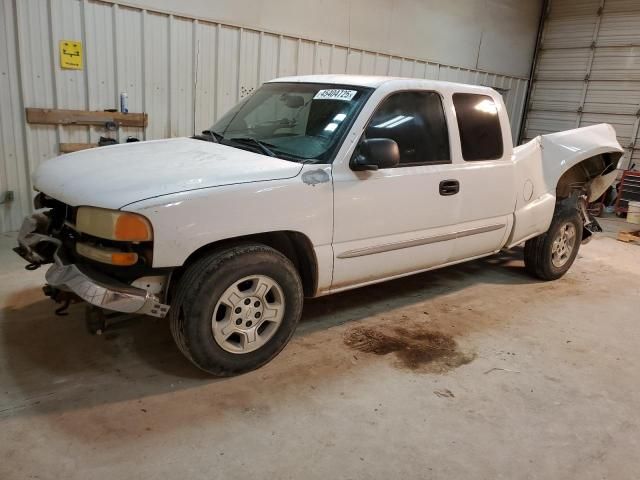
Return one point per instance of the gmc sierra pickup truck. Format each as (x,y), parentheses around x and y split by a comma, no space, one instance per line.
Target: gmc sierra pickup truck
(312,185)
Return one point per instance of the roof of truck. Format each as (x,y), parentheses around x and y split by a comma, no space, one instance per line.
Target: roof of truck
(367,80)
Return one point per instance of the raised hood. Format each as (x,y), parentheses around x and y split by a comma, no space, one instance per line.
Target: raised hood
(115,176)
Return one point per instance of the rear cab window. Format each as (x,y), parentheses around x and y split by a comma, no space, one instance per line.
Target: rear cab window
(479,127)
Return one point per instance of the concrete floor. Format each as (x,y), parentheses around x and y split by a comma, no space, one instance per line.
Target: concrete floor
(541,380)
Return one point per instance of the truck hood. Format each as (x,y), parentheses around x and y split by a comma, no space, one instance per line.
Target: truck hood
(115,176)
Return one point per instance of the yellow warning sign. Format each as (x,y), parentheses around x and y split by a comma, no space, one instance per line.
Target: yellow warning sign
(71,54)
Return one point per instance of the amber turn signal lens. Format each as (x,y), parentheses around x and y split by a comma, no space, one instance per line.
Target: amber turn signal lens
(124,259)
(112,257)
(132,228)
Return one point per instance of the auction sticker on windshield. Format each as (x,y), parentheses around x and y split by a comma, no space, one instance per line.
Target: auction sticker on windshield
(335,94)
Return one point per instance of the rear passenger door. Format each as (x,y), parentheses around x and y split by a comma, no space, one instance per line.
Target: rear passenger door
(486,174)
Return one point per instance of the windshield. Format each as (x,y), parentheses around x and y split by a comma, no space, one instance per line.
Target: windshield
(303,122)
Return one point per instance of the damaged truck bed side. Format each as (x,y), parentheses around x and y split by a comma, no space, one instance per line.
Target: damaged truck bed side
(310,186)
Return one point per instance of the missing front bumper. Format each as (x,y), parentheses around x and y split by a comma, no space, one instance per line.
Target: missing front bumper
(103,292)
(38,247)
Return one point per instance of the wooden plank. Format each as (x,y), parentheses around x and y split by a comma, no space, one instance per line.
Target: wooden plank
(84,117)
(629,237)
(74,147)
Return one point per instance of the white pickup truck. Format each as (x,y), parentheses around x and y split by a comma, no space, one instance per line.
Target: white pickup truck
(312,185)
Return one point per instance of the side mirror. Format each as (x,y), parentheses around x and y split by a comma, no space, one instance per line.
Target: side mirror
(375,153)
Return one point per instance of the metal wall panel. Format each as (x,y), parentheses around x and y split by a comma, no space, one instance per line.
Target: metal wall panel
(569,32)
(323,58)
(616,63)
(184,72)
(129,61)
(557,96)
(570,9)
(157,78)
(563,64)
(13,170)
(543,122)
(493,35)
(622,97)
(182,78)
(36,72)
(620,23)
(588,70)
(70,88)
(99,60)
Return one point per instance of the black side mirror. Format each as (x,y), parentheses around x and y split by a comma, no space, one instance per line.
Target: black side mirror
(375,153)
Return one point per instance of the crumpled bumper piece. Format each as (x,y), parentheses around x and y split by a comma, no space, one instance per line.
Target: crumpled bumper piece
(34,245)
(103,291)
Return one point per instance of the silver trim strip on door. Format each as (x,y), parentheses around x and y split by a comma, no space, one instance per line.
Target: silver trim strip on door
(389,247)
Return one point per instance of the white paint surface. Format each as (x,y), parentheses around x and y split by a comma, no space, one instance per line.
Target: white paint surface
(109,179)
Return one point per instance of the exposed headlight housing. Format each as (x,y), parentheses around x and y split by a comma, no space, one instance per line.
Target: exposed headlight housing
(113,225)
(107,255)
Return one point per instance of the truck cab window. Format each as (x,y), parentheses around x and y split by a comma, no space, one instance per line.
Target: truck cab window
(479,126)
(416,122)
(300,122)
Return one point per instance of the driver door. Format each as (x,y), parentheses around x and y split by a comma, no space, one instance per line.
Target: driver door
(399,220)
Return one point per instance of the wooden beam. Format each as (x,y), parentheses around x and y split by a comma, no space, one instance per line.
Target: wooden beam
(84,117)
(74,147)
(629,237)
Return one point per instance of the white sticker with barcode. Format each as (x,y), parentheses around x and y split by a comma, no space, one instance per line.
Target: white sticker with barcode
(335,94)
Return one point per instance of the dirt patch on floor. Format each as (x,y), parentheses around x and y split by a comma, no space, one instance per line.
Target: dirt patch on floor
(416,348)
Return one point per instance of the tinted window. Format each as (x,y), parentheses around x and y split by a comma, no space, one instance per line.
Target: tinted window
(479,126)
(416,122)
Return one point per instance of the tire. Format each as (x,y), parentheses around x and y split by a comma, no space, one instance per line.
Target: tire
(544,255)
(228,294)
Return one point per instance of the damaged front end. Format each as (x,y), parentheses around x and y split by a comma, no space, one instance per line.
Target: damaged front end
(35,244)
(47,237)
(584,183)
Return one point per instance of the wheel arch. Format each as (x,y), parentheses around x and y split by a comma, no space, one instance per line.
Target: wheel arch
(591,174)
(578,154)
(296,246)
(585,182)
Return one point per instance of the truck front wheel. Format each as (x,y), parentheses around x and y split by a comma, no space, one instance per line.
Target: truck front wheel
(236,309)
(550,255)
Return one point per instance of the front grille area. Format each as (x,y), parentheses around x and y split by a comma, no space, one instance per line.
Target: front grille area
(63,220)
(60,212)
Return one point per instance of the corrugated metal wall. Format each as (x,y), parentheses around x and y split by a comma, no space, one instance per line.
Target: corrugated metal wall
(588,70)
(154,56)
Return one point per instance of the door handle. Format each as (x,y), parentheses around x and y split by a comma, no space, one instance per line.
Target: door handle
(449,187)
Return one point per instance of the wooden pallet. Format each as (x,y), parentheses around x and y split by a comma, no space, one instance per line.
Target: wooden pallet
(629,236)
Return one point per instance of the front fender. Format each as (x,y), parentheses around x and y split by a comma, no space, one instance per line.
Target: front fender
(184,223)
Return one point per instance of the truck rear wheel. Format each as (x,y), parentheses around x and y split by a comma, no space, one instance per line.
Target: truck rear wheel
(236,309)
(550,255)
